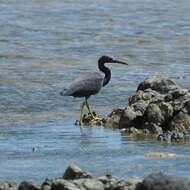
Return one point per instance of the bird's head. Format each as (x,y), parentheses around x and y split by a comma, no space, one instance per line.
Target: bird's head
(106,59)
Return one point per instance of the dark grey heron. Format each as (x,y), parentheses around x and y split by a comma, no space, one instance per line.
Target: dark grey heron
(90,84)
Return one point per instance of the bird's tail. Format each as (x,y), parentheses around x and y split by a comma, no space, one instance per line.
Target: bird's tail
(63,93)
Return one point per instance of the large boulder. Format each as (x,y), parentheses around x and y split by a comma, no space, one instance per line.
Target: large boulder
(158,106)
(74,172)
(161,181)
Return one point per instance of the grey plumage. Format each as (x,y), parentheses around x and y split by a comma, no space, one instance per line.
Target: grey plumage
(85,86)
(90,84)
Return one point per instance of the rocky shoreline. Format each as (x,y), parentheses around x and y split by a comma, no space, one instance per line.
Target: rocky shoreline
(159,108)
(74,178)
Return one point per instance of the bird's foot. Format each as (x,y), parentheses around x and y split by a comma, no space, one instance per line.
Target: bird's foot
(90,119)
(95,119)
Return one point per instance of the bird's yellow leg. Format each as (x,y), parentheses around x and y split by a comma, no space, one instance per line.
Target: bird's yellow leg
(89,110)
(88,107)
(81,114)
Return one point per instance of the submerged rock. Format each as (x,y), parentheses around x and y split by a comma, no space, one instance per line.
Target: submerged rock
(159,106)
(160,154)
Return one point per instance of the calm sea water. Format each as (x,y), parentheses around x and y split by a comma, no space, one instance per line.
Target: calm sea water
(44,45)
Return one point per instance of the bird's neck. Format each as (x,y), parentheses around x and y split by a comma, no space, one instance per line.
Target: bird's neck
(106,71)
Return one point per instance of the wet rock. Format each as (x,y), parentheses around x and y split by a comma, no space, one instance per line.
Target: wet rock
(147,96)
(153,128)
(61,184)
(84,182)
(153,114)
(167,136)
(132,130)
(159,106)
(174,136)
(89,184)
(187,106)
(161,181)
(157,181)
(113,118)
(46,185)
(8,185)
(111,182)
(93,184)
(127,118)
(140,107)
(74,172)
(158,84)
(180,122)
(132,182)
(186,136)
(25,185)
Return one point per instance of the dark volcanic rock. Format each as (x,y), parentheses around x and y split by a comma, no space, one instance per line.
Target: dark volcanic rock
(113,119)
(25,185)
(158,106)
(74,172)
(157,84)
(180,122)
(160,181)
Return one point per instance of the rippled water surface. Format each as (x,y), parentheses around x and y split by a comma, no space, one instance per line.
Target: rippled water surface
(45,44)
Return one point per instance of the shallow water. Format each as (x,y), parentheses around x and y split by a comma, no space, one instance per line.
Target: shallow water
(97,150)
(45,44)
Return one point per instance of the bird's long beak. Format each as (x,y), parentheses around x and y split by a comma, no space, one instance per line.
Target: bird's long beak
(120,62)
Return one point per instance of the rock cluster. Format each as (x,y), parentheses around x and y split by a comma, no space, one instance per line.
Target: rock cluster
(76,179)
(158,107)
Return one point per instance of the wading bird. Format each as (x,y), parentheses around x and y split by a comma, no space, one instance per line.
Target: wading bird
(90,84)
